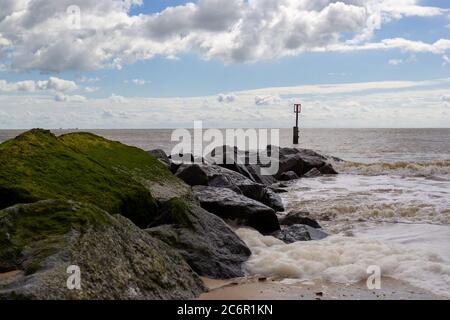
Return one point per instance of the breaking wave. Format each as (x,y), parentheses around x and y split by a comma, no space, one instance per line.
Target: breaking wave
(401,168)
(342,259)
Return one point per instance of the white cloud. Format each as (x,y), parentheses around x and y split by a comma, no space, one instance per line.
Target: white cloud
(417,104)
(53,83)
(267,100)
(395,62)
(91,89)
(230,97)
(60,97)
(138,82)
(117,98)
(38,37)
(446,60)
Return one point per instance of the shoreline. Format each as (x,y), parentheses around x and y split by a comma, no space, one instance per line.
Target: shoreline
(262,288)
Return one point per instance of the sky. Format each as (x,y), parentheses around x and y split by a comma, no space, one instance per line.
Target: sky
(230,63)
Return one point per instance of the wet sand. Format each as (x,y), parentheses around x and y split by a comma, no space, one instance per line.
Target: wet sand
(255,288)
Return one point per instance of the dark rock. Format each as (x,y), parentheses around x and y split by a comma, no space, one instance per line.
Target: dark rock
(229,205)
(316,234)
(273,200)
(160,155)
(209,246)
(293,234)
(192,174)
(117,260)
(182,158)
(312,173)
(255,171)
(327,169)
(299,232)
(289,175)
(299,217)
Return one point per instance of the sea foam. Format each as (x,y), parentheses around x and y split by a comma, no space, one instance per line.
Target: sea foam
(345,260)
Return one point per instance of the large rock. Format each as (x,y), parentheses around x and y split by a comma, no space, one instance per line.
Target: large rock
(217,176)
(192,174)
(300,161)
(299,217)
(209,246)
(229,205)
(117,260)
(81,166)
(115,177)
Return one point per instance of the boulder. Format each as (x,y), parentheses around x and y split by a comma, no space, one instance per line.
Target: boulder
(312,173)
(209,246)
(192,174)
(255,171)
(327,169)
(160,155)
(230,205)
(117,260)
(299,217)
(299,232)
(273,200)
(287,176)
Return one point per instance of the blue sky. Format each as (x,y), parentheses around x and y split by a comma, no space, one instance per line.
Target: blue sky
(131,65)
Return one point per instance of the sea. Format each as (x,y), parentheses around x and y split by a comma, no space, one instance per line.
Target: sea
(388,207)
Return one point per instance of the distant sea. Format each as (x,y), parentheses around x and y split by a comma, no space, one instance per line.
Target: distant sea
(389,206)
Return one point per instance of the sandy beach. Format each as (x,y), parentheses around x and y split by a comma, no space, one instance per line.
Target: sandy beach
(258,288)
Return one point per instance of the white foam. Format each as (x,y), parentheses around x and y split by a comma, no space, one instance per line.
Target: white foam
(401,168)
(345,260)
(372,198)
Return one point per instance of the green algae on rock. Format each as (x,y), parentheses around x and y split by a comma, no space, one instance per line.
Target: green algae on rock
(117,260)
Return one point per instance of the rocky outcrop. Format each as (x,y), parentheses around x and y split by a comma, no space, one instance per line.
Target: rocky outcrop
(117,260)
(209,246)
(229,205)
(217,176)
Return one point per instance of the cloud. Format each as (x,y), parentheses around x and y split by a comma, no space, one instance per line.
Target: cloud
(117,99)
(395,62)
(230,97)
(446,60)
(267,100)
(446,98)
(37,36)
(53,83)
(60,97)
(138,82)
(91,89)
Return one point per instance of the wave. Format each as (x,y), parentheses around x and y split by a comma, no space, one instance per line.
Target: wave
(403,168)
(343,259)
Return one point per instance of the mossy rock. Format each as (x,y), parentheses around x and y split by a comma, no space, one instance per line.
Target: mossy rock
(37,165)
(117,260)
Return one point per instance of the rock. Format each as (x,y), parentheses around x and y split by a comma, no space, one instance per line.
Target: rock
(299,232)
(83,167)
(231,159)
(229,205)
(299,217)
(273,200)
(117,260)
(192,174)
(209,246)
(289,175)
(160,155)
(293,234)
(255,171)
(327,169)
(312,173)
(316,234)
(182,158)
